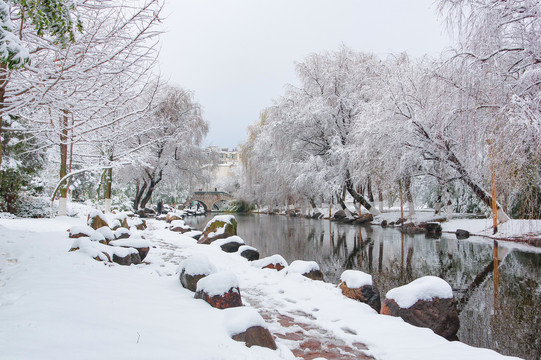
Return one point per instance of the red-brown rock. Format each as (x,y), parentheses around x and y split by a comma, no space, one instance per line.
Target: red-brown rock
(440,315)
(96,220)
(368,294)
(256,335)
(229,299)
(314,275)
(277,267)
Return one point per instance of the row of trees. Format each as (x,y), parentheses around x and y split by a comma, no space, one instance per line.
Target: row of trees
(88,99)
(432,127)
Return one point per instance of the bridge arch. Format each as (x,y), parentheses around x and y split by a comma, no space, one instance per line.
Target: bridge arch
(210,198)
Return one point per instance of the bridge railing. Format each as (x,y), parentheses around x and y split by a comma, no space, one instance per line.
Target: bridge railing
(212,193)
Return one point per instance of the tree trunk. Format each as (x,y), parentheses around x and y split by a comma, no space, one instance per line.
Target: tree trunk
(409,196)
(3,85)
(147,196)
(351,189)
(139,191)
(62,204)
(108,189)
(380,200)
(481,193)
(369,190)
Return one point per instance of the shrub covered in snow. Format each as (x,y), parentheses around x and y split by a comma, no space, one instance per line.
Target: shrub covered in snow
(34,207)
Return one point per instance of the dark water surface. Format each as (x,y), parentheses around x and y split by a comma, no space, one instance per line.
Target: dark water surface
(500,309)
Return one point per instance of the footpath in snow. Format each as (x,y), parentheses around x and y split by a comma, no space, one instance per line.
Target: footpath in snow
(56,304)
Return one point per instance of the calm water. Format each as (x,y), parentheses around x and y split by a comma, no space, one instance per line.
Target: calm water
(501,309)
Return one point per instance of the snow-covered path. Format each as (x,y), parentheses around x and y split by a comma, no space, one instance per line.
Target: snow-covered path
(55,304)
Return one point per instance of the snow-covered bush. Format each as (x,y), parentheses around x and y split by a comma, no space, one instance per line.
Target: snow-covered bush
(34,207)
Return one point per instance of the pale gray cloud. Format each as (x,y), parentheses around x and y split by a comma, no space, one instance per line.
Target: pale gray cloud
(237,55)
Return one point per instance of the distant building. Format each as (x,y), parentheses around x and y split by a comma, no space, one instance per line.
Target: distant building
(221,175)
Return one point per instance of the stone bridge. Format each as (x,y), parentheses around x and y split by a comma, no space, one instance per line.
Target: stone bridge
(210,199)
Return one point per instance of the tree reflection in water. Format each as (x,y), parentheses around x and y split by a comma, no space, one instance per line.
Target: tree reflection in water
(502,313)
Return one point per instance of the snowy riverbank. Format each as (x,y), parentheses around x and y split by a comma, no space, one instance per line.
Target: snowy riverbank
(58,304)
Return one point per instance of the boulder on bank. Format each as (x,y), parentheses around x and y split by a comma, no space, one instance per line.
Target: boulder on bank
(359,286)
(220,227)
(179,226)
(425,302)
(244,324)
(220,290)
(364,219)
(309,269)
(128,257)
(339,215)
(230,244)
(80,231)
(412,229)
(432,228)
(107,233)
(194,269)
(248,252)
(276,262)
(462,234)
(139,223)
(142,246)
(122,233)
(102,252)
(119,220)
(171,216)
(96,219)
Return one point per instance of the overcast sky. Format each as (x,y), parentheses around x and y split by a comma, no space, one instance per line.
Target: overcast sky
(237,55)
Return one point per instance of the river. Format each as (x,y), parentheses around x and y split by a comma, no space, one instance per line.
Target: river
(500,305)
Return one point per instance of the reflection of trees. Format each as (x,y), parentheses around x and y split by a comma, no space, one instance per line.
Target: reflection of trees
(514,327)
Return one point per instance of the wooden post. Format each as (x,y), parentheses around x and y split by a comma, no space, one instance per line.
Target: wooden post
(496,275)
(401,203)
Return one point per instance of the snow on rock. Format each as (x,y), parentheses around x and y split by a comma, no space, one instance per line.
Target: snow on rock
(425,288)
(84,245)
(359,286)
(137,223)
(246,325)
(115,224)
(122,233)
(79,231)
(219,290)
(220,227)
(302,267)
(248,252)
(238,319)
(195,234)
(197,264)
(135,243)
(231,239)
(178,223)
(97,236)
(107,233)
(355,279)
(97,219)
(141,245)
(227,219)
(218,283)
(309,269)
(275,261)
(193,269)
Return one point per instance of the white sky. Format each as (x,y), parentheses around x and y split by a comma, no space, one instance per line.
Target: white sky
(237,55)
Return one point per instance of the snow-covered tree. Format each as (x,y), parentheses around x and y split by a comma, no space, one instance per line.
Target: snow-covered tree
(173,131)
(74,94)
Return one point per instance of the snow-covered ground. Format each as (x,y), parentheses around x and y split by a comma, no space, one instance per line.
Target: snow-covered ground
(56,304)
